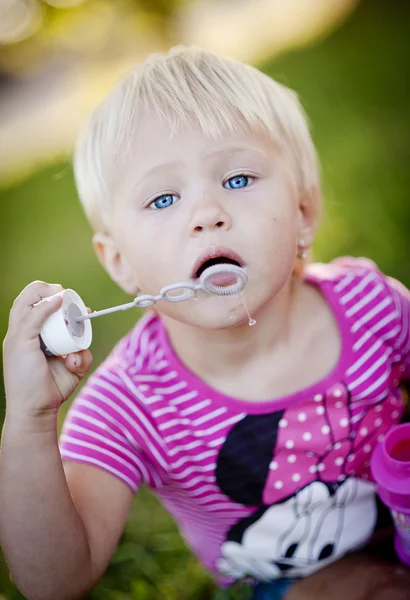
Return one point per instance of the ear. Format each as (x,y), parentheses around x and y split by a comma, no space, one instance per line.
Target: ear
(114,263)
(309,214)
(243,461)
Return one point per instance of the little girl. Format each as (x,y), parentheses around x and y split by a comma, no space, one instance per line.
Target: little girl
(257,440)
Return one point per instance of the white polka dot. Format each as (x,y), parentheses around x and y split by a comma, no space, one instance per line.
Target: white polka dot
(344,422)
(380,437)
(339,461)
(364,431)
(379,408)
(291,458)
(325,429)
(317,398)
(289,444)
(393,400)
(367,448)
(351,457)
(283,423)
(310,454)
(320,410)
(312,469)
(302,417)
(307,436)
(378,422)
(273,466)
(339,404)
(337,446)
(395,414)
(278,485)
(296,477)
(321,467)
(341,477)
(337,393)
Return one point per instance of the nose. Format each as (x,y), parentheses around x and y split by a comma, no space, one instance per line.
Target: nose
(208,218)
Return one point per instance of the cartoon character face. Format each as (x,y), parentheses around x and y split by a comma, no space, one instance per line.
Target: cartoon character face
(304,471)
(304,533)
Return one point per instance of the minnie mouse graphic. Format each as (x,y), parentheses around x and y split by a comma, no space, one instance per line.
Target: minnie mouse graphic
(305,470)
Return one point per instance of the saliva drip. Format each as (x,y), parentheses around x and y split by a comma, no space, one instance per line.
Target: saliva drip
(251,322)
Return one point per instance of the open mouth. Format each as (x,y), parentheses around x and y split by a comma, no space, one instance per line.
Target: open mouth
(220,260)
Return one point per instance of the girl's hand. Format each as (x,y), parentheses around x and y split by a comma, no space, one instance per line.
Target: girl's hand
(36,384)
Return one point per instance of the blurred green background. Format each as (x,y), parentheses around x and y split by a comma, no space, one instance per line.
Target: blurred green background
(354,84)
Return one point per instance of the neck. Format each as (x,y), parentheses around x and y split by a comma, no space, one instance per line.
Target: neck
(220,353)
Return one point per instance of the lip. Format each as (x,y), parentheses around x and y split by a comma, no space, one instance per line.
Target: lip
(215,252)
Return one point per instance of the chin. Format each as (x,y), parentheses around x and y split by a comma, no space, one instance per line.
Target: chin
(221,321)
(211,312)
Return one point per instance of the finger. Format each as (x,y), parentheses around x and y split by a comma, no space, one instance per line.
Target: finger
(40,313)
(79,362)
(30,295)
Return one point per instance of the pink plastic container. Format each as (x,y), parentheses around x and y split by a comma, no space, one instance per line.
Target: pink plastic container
(390,466)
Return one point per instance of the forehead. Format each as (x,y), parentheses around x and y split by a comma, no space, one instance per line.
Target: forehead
(157,141)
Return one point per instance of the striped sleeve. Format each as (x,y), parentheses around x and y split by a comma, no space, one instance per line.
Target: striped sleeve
(401,298)
(398,296)
(106,427)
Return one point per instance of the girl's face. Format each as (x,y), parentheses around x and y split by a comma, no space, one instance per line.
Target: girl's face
(178,197)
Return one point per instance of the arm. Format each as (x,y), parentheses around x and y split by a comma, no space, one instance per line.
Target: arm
(401,343)
(57,530)
(42,535)
(63,525)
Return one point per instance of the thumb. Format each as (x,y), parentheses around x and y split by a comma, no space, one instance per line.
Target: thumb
(79,363)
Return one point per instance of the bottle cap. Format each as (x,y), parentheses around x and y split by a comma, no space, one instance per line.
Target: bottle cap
(61,334)
(390,462)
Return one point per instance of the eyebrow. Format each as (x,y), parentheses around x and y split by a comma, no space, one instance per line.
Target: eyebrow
(161,167)
(228,152)
(232,151)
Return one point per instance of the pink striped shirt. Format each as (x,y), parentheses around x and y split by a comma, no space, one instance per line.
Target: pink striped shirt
(240,477)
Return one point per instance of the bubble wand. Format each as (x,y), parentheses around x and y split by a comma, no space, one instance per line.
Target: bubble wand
(69,328)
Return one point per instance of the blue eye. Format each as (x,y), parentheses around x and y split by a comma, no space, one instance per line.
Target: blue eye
(237,182)
(163,201)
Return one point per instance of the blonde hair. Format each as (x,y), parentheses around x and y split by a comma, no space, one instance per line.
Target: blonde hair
(188,86)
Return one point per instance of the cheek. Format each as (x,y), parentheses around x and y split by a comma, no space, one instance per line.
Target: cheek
(275,231)
(132,242)
(132,233)
(273,247)
(152,265)
(279,209)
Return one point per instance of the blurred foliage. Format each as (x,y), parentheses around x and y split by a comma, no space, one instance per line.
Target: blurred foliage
(68,29)
(354,86)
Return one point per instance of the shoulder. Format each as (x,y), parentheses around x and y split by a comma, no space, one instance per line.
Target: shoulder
(369,298)
(139,349)
(110,424)
(356,284)
(352,278)
(134,360)
(343,270)
(120,395)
